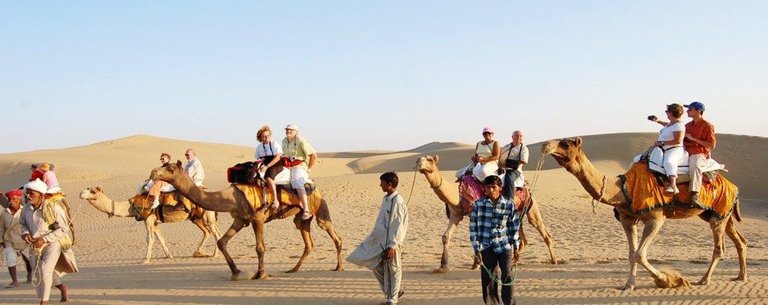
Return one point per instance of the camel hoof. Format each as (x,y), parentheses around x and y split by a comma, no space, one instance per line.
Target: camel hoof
(294,270)
(339,268)
(740,278)
(199,254)
(146,262)
(441,270)
(628,287)
(671,279)
(261,275)
(242,276)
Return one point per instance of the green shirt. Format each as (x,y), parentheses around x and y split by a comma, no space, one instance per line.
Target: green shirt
(298,149)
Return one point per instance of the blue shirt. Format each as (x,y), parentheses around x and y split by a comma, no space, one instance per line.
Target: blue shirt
(494,226)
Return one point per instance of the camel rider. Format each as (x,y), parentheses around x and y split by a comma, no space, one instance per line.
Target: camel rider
(194,168)
(513,156)
(44,225)
(699,142)
(159,186)
(301,157)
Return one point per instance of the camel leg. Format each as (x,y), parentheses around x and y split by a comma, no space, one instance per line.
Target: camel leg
(309,245)
(534,218)
(447,235)
(237,225)
(741,248)
(258,231)
(327,225)
(213,227)
(150,226)
(630,229)
(206,234)
(666,279)
(718,228)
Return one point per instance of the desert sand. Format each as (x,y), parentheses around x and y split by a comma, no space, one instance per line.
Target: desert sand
(590,244)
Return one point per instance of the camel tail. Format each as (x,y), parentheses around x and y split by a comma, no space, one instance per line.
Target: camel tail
(737,210)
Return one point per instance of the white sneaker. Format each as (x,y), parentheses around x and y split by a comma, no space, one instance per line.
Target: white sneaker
(677,191)
(275,205)
(155,204)
(306,215)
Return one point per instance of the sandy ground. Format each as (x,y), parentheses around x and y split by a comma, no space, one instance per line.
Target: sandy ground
(590,245)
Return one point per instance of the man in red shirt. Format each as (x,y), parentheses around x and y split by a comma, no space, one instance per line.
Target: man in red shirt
(699,142)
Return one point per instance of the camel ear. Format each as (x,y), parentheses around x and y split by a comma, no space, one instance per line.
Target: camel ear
(178,163)
(437,158)
(578,141)
(98,188)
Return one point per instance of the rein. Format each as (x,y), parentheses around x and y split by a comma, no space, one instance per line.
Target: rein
(595,203)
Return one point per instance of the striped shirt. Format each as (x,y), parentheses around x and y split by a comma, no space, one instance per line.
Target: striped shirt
(494,226)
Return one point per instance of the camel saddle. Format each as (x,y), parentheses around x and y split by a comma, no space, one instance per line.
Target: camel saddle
(470,190)
(169,207)
(644,194)
(256,194)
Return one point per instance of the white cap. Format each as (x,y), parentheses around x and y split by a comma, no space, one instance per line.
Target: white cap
(53,190)
(292,127)
(37,185)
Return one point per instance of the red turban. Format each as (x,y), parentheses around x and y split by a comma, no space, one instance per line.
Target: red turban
(14,193)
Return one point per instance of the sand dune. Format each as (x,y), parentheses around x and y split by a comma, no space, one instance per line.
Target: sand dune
(590,244)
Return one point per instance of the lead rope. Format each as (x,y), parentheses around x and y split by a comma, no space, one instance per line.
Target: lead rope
(37,273)
(525,210)
(595,203)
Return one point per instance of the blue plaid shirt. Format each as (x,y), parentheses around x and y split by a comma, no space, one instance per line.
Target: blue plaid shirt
(494,227)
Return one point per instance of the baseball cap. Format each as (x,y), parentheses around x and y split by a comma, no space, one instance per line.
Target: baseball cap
(695,105)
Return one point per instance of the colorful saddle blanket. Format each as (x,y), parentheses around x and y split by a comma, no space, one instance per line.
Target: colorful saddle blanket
(470,190)
(254,195)
(645,194)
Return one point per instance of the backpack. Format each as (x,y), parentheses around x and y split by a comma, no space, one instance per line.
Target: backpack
(49,215)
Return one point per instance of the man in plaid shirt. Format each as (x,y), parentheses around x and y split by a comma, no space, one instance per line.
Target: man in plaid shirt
(494,232)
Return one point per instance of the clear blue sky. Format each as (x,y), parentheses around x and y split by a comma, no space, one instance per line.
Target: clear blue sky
(358,75)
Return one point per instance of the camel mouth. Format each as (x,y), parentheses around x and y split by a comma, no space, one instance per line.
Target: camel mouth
(424,171)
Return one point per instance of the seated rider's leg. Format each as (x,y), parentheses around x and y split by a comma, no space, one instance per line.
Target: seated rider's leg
(154,191)
(273,189)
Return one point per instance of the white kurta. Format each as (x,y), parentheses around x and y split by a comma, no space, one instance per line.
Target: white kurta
(388,232)
(33,223)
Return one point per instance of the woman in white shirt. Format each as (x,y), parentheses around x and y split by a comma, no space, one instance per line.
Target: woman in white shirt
(670,141)
(486,155)
(269,153)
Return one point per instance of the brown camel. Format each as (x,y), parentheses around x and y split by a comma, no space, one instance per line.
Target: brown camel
(427,165)
(568,153)
(206,222)
(234,201)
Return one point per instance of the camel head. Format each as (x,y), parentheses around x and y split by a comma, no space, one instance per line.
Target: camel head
(565,151)
(167,172)
(427,164)
(91,194)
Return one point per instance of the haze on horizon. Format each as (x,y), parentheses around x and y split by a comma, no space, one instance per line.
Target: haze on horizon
(373,76)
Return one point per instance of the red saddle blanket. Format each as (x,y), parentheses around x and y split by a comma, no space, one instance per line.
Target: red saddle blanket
(470,190)
(645,194)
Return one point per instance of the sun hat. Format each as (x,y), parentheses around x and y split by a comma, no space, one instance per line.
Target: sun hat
(488,129)
(292,127)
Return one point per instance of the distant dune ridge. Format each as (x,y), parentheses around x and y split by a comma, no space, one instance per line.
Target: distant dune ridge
(590,243)
(100,160)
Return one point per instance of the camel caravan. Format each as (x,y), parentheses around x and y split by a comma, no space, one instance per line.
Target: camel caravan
(277,186)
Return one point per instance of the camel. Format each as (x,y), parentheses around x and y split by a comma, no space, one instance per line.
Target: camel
(427,165)
(568,153)
(234,201)
(206,223)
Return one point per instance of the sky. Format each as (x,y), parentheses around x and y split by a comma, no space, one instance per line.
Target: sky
(373,75)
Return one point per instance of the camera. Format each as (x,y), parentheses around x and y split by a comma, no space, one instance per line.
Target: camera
(54,226)
(652,118)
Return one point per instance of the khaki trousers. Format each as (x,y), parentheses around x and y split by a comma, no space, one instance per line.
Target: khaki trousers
(695,163)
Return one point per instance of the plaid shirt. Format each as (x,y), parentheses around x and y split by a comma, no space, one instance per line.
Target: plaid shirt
(494,226)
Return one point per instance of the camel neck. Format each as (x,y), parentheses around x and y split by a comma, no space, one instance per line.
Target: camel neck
(437,185)
(598,186)
(114,208)
(212,201)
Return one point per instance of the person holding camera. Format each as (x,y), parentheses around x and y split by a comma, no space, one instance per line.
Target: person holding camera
(301,158)
(514,156)
(670,141)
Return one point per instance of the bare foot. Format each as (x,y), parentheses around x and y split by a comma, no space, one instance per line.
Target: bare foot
(64,292)
(12,285)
